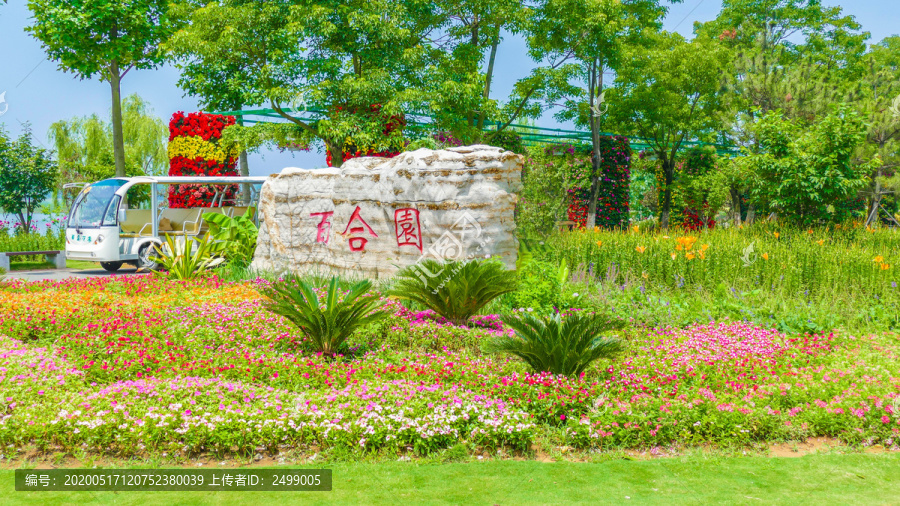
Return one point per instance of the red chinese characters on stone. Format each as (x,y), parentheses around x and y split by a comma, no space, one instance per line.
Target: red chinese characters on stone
(357,242)
(406,225)
(323,229)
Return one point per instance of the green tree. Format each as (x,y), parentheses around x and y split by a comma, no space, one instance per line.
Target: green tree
(84,146)
(793,55)
(802,171)
(702,184)
(669,95)
(107,39)
(351,63)
(584,40)
(876,97)
(462,65)
(210,72)
(27,176)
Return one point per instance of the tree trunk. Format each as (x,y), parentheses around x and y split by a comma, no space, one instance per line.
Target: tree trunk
(751,214)
(244,167)
(337,154)
(595,89)
(735,206)
(115,81)
(876,200)
(669,176)
(26,223)
(489,74)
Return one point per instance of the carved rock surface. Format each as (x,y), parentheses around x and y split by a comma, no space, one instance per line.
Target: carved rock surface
(374,216)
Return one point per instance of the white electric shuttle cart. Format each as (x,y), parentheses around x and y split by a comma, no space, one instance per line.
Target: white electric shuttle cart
(120,220)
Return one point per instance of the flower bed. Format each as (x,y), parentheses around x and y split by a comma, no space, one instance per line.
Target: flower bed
(88,364)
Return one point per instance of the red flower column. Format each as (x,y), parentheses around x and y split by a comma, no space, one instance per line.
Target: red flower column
(615,179)
(194,151)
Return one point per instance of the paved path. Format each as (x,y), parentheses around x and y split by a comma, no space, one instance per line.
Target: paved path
(61,274)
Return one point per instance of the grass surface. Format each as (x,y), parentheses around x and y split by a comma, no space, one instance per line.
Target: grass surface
(814,479)
(70,264)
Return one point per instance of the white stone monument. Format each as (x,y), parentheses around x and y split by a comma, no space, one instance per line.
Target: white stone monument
(374,216)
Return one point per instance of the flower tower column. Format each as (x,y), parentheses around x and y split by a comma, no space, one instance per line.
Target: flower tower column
(615,179)
(194,151)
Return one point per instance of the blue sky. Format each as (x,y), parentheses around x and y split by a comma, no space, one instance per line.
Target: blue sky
(37,92)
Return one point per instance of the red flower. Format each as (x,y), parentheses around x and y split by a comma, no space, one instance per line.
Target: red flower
(208,127)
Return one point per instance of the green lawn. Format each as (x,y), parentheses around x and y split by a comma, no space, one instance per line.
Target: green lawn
(38,265)
(814,479)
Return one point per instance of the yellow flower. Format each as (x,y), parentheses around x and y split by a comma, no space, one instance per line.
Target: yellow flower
(679,248)
(645,275)
(885,267)
(765,256)
(599,243)
(702,254)
(596,229)
(635,228)
(809,231)
(741,227)
(192,147)
(878,259)
(704,247)
(690,256)
(687,242)
(674,256)
(821,242)
(777,235)
(641,249)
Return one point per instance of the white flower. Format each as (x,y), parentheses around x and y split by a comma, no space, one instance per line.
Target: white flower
(530,309)
(575,294)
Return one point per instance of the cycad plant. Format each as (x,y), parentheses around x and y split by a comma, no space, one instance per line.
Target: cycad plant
(183,258)
(455,290)
(327,322)
(561,345)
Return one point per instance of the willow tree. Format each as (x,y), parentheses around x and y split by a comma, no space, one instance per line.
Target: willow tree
(84,145)
(99,38)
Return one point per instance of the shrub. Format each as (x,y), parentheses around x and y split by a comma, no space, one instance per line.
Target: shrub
(235,238)
(807,173)
(560,345)
(180,260)
(455,290)
(330,322)
(543,287)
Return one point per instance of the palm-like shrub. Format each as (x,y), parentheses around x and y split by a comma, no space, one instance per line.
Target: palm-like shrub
(561,345)
(183,258)
(327,322)
(455,290)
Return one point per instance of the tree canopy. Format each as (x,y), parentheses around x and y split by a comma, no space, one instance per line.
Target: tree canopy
(27,176)
(100,38)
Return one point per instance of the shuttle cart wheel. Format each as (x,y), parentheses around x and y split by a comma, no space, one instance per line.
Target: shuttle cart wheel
(111,266)
(146,251)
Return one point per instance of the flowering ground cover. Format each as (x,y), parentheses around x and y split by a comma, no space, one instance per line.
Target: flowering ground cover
(145,366)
